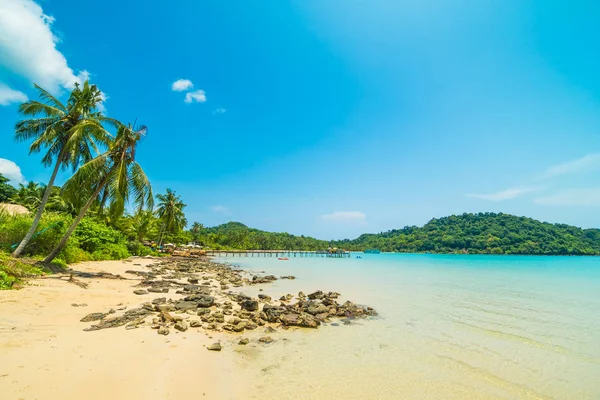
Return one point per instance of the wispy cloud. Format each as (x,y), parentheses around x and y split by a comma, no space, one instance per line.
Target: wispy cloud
(8,96)
(28,46)
(182,84)
(345,216)
(221,210)
(11,171)
(220,111)
(584,164)
(572,197)
(199,96)
(507,194)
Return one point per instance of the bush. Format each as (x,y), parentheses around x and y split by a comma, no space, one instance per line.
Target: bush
(111,252)
(93,236)
(138,249)
(50,230)
(13,270)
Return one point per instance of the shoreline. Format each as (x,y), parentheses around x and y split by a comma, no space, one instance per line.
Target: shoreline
(49,352)
(46,354)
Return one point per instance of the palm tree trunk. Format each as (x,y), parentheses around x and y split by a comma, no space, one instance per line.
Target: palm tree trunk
(75,222)
(40,210)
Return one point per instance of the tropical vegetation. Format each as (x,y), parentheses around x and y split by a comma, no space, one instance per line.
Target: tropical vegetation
(106,209)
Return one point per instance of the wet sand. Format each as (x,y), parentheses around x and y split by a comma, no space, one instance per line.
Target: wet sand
(46,354)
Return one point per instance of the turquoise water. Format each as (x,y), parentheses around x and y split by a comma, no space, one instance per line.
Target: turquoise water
(451,327)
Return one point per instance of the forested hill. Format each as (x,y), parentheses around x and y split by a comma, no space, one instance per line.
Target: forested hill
(235,235)
(483,233)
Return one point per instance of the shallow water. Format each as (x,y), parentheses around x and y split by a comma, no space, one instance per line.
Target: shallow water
(451,327)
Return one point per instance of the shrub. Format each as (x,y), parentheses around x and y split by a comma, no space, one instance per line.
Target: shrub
(111,251)
(93,236)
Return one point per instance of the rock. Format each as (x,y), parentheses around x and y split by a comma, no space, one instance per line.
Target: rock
(93,317)
(215,347)
(181,326)
(157,290)
(249,305)
(163,330)
(264,297)
(164,307)
(240,326)
(270,313)
(186,305)
(202,311)
(302,320)
(202,300)
(195,323)
(288,277)
(269,329)
(266,339)
(317,309)
(318,295)
(301,295)
(160,300)
(244,341)
(140,292)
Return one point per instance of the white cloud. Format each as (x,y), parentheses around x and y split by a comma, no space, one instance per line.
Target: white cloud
(182,84)
(8,95)
(220,111)
(221,209)
(507,194)
(586,163)
(199,96)
(28,46)
(345,216)
(572,197)
(11,171)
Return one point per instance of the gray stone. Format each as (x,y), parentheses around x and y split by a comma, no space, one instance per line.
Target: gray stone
(250,305)
(163,330)
(215,347)
(181,326)
(140,291)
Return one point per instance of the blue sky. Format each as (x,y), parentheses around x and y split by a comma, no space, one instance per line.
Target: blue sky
(331,117)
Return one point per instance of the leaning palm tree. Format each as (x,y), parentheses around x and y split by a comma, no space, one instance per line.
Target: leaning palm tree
(170,213)
(68,133)
(115,171)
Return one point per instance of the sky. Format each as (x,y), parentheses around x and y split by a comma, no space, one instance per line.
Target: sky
(330,118)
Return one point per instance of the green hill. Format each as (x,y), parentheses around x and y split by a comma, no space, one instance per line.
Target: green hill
(483,233)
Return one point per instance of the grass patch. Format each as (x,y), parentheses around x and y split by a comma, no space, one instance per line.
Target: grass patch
(14,270)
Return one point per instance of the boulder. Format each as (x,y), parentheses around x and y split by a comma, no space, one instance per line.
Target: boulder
(317,309)
(186,305)
(93,317)
(181,326)
(140,292)
(244,341)
(163,330)
(215,347)
(249,305)
(195,323)
(318,295)
(266,339)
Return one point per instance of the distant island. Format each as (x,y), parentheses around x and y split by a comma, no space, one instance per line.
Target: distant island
(482,233)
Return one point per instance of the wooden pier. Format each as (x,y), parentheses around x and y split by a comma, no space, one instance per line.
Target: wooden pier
(277,253)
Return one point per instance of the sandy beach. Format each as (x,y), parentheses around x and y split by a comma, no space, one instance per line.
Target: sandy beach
(46,355)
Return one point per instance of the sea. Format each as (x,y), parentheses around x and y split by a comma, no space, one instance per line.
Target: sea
(450,327)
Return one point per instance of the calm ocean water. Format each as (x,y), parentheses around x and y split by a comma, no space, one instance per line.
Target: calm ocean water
(451,327)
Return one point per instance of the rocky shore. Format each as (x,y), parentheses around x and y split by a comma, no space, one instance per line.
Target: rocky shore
(208,297)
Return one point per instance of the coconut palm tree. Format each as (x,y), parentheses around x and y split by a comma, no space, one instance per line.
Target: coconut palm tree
(115,171)
(170,213)
(29,195)
(68,134)
(195,230)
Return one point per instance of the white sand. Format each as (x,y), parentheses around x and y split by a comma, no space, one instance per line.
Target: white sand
(46,355)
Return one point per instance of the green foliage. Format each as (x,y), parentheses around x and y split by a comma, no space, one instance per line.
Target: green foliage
(98,239)
(13,228)
(483,233)
(6,190)
(12,270)
(235,235)
(170,213)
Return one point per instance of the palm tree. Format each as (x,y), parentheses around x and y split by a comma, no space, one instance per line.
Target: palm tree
(170,212)
(115,171)
(29,195)
(195,230)
(68,133)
